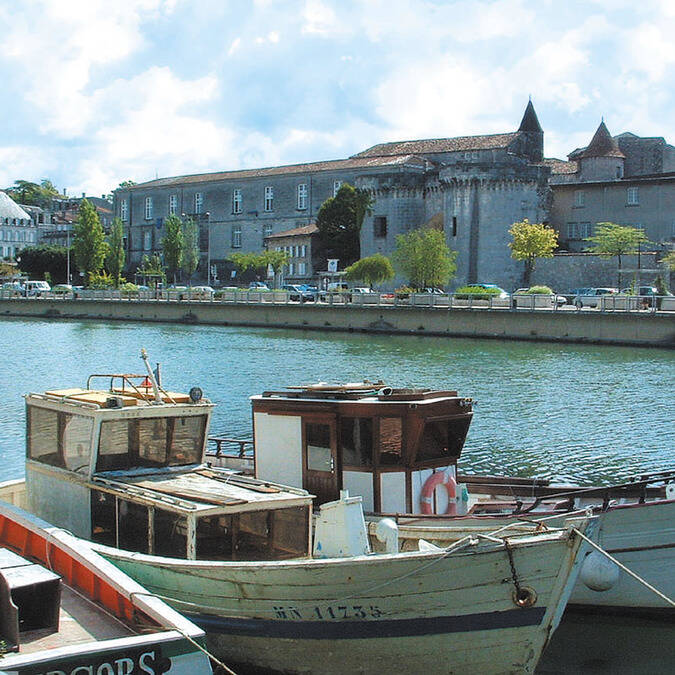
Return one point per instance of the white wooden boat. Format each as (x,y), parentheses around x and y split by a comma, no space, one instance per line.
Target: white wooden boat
(399,449)
(66,610)
(122,468)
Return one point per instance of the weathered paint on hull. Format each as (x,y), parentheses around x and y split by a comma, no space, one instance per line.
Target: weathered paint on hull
(640,536)
(404,612)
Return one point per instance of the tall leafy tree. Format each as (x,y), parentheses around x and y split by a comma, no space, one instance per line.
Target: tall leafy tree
(89,246)
(424,258)
(612,240)
(190,247)
(33,194)
(375,269)
(173,245)
(532,241)
(339,221)
(38,261)
(115,259)
(277,260)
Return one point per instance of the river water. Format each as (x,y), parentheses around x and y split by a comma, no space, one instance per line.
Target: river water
(569,412)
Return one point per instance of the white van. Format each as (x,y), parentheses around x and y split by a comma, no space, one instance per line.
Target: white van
(36,288)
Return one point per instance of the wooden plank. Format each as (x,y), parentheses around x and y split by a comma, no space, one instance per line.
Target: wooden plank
(187,493)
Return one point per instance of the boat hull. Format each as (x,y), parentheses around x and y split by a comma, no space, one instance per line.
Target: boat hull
(402,612)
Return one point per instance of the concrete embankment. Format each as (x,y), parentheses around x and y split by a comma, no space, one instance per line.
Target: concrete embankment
(629,328)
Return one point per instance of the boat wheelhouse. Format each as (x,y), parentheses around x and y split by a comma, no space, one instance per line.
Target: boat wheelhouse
(381,443)
(122,466)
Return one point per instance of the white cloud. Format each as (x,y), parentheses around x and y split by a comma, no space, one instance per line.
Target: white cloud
(319,18)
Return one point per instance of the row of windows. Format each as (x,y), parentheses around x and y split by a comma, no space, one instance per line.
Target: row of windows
(299,251)
(19,222)
(198,203)
(297,268)
(579,230)
(632,197)
(21,235)
(8,251)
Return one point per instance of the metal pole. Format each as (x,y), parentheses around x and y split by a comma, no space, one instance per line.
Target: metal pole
(68,252)
(208,248)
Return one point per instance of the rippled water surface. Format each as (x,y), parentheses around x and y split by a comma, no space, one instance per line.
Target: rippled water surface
(582,413)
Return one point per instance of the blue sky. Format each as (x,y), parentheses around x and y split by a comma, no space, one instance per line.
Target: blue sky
(96,92)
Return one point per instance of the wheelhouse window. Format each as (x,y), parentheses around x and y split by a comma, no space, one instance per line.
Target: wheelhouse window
(150,442)
(442,438)
(356,441)
(319,454)
(59,439)
(391,440)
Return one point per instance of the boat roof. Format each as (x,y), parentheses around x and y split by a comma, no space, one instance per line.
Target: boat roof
(201,490)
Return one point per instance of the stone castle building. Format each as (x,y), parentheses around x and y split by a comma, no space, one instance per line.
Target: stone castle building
(474,187)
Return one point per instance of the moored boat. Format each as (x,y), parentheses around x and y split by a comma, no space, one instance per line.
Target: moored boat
(64,609)
(400,450)
(240,556)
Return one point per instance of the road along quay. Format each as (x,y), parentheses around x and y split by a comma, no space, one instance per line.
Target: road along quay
(645,329)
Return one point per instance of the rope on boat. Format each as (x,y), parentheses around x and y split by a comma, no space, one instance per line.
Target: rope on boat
(630,572)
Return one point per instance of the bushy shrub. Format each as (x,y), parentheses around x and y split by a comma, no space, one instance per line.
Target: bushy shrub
(404,291)
(100,281)
(466,292)
(539,290)
(129,289)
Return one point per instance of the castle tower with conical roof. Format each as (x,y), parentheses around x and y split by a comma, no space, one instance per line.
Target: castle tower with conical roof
(532,134)
(601,159)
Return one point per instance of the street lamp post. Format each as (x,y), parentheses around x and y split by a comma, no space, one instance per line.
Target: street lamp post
(68,223)
(208,247)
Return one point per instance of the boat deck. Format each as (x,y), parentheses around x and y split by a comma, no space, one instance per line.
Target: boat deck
(80,621)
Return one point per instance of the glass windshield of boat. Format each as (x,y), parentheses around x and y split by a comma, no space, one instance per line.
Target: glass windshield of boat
(150,442)
(59,439)
(442,438)
(254,535)
(356,441)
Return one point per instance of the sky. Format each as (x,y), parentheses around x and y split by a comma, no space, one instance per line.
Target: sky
(97,92)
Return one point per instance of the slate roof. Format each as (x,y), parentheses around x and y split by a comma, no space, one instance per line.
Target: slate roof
(602,145)
(457,144)
(10,209)
(530,121)
(559,166)
(311,167)
(295,232)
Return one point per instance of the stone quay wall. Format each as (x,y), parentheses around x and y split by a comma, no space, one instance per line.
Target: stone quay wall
(652,329)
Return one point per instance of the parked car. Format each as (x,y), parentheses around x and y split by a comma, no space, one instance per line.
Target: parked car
(12,289)
(556,298)
(200,292)
(298,293)
(590,297)
(501,292)
(62,289)
(36,288)
(258,286)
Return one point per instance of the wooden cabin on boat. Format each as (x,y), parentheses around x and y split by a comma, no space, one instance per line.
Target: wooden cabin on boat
(123,466)
(381,443)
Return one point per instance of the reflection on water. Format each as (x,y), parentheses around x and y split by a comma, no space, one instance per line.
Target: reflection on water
(587,643)
(583,413)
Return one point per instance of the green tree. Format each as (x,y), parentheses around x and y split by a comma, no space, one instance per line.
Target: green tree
(375,269)
(339,221)
(38,261)
(612,240)
(173,245)
(669,260)
(33,194)
(532,241)
(115,259)
(424,258)
(190,247)
(277,260)
(89,245)
(152,269)
(245,261)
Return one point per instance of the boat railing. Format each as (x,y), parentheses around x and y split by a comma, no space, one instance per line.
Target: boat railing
(122,382)
(640,487)
(245,450)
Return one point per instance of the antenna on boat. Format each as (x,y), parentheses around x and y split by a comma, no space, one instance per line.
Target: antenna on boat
(151,375)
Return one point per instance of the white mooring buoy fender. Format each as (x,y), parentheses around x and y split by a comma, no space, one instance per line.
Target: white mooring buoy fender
(598,573)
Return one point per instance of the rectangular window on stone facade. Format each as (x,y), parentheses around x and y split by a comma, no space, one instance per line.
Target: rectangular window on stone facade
(291,269)
(454,226)
(236,236)
(302,268)
(148,208)
(632,196)
(303,251)
(147,240)
(337,184)
(173,204)
(124,210)
(267,231)
(380,226)
(579,198)
(199,202)
(578,231)
(236,201)
(302,196)
(269,198)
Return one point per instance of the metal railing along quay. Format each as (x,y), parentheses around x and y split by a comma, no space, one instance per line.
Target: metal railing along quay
(524,302)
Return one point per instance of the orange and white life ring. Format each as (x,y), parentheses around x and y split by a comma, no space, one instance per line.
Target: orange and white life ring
(427,496)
